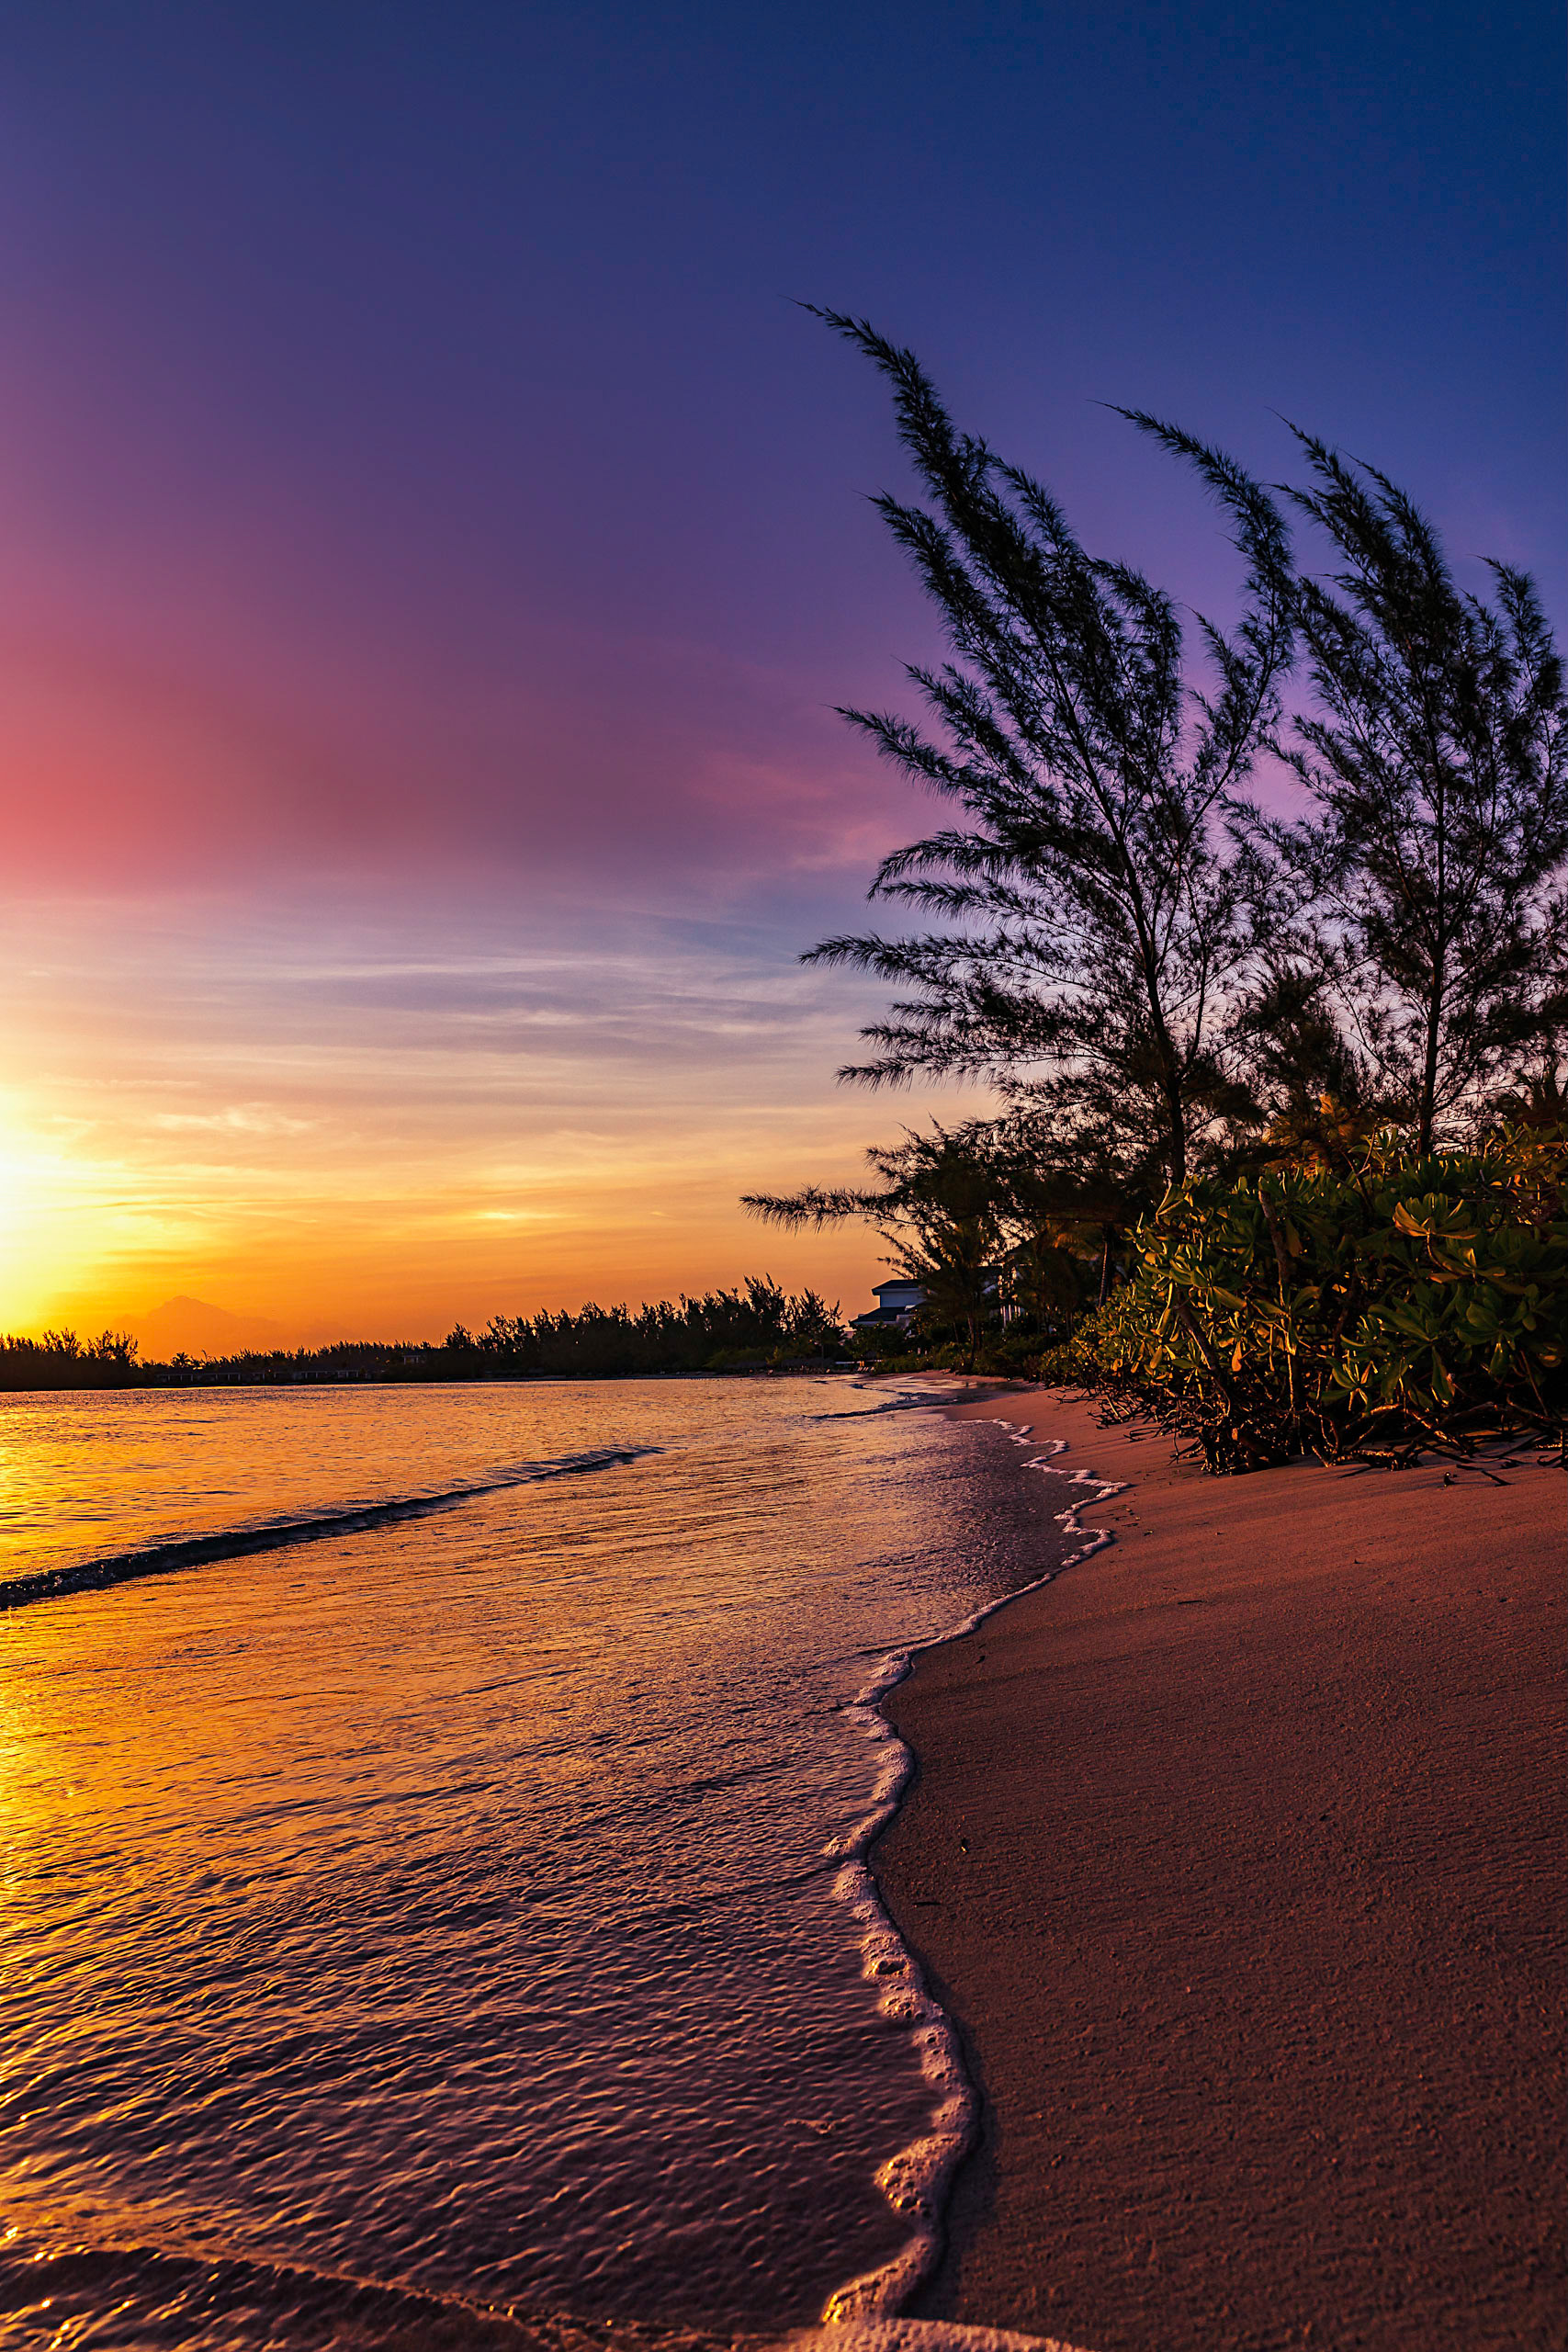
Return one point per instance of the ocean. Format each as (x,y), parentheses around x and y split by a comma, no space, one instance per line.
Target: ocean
(429,1850)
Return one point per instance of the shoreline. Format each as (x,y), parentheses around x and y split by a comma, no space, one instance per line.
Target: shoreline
(918,2179)
(1233,1861)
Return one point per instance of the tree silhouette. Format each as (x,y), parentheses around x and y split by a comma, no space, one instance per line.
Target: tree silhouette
(980,1217)
(1437,759)
(1101,911)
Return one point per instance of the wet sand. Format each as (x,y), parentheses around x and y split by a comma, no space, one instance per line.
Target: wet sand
(1239,1854)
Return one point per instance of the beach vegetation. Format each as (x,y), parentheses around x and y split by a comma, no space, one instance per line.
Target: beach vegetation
(935,1205)
(1281,1088)
(1370,1305)
(977,1215)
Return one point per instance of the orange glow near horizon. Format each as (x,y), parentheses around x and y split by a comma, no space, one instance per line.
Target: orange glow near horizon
(379,1138)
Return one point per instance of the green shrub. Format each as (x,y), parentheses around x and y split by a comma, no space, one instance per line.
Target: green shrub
(1012,1352)
(1363,1312)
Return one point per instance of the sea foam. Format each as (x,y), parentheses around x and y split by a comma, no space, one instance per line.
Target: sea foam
(916,2180)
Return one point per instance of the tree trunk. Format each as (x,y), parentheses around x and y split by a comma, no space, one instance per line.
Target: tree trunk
(1427,1108)
(1177,1138)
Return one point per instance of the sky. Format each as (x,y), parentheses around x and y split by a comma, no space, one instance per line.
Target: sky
(433,539)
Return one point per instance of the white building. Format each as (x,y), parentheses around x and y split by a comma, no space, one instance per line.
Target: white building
(896,1303)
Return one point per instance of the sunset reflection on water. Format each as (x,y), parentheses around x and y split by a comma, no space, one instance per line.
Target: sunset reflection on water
(446,1905)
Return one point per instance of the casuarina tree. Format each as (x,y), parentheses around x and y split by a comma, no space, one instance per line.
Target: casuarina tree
(1092,911)
(935,1201)
(984,1216)
(1436,753)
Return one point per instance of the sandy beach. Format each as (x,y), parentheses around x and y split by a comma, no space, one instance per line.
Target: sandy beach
(1238,1853)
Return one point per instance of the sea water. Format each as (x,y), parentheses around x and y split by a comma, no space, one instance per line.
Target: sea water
(451,1912)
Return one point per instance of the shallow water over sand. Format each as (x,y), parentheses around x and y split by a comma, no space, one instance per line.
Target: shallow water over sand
(444,1903)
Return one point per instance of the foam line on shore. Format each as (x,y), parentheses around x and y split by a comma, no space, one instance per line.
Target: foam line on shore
(918,2335)
(917,2179)
(275,1535)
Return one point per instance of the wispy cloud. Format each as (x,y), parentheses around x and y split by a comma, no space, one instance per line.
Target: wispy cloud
(384,1129)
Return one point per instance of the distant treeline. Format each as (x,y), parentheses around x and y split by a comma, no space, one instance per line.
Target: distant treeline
(61,1360)
(724,1330)
(758,1327)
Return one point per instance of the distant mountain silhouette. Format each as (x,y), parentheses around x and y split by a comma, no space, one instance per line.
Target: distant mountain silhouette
(201,1329)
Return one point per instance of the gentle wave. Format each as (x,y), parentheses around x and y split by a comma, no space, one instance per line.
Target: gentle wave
(150,2298)
(276,1536)
(904,1402)
(154,2300)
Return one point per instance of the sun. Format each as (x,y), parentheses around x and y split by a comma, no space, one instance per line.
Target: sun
(16,1221)
(38,1186)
